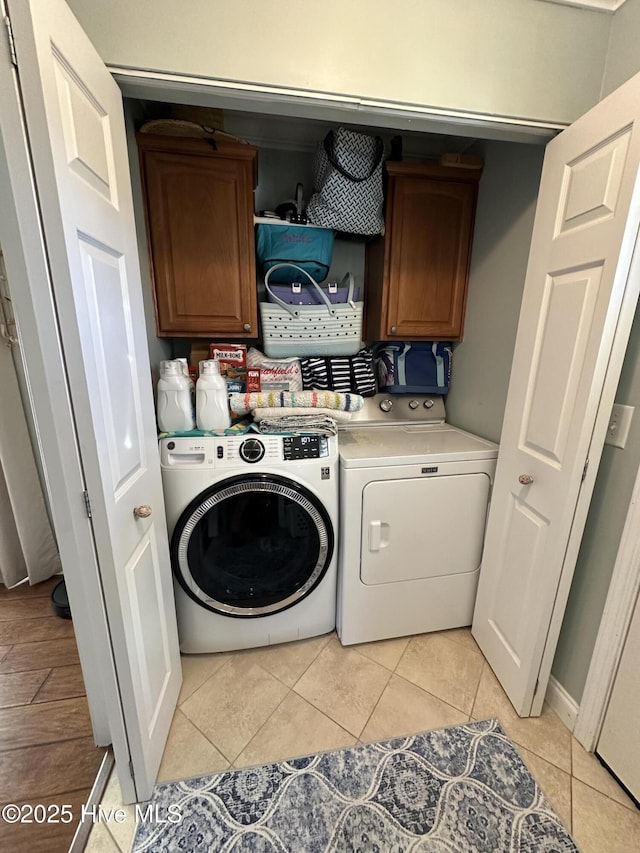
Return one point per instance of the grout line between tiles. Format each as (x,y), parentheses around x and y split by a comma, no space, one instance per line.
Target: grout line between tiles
(206,737)
(382,692)
(115,840)
(400,659)
(571,797)
(320,651)
(311,662)
(255,734)
(631,806)
(475,698)
(221,667)
(469,648)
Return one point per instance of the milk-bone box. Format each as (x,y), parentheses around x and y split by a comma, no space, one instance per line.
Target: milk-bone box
(232,359)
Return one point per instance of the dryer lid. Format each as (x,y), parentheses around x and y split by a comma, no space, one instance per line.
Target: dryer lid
(410,444)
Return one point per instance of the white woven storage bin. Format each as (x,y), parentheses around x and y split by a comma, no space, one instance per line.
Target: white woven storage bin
(313,331)
(326,329)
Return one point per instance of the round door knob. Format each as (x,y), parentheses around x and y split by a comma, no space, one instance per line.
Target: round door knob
(386,405)
(394,330)
(413,404)
(247,327)
(142,511)
(525,479)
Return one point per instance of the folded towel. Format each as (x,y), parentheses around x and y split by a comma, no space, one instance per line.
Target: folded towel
(276,412)
(242,404)
(300,424)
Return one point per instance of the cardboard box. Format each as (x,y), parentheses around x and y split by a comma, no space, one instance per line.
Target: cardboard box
(253,379)
(232,359)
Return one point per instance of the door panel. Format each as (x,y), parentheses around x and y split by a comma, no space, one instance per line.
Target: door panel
(412,528)
(525,534)
(149,634)
(86,130)
(74,119)
(571,337)
(559,352)
(109,328)
(591,184)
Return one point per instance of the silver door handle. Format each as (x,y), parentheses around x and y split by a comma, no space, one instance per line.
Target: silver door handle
(142,511)
(525,479)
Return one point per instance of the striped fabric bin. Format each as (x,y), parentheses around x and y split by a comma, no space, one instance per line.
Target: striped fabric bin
(340,373)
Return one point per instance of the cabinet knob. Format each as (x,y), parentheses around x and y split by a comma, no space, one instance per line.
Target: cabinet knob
(247,327)
(394,330)
(142,511)
(525,479)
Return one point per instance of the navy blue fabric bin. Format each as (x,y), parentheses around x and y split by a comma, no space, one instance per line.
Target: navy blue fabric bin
(414,367)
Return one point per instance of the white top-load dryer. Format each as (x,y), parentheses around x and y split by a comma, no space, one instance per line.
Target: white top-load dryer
(414,493)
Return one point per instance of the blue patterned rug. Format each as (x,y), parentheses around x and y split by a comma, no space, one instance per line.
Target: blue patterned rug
(463,789)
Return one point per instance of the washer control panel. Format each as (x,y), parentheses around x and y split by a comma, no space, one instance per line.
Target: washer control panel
(246,450)
(304,447)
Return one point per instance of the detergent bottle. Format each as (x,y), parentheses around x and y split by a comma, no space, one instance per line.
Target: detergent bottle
(174,406)
(212,403)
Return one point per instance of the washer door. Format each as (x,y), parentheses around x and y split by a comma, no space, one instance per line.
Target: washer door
(252,545)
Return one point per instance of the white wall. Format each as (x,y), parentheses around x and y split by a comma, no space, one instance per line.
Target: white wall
(504,222)
(623,55)
(159,348)
(605,522)
(520,58)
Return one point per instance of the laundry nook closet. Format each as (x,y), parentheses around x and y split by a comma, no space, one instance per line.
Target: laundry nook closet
(446,204)
(340,495)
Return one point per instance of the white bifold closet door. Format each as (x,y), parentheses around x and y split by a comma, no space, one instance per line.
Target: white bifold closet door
(578,304)
(74,125)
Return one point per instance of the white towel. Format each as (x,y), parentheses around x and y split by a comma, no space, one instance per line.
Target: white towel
(242,404)
(299,424)
(277,412)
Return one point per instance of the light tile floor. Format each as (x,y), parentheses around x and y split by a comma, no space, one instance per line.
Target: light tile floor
(248,707)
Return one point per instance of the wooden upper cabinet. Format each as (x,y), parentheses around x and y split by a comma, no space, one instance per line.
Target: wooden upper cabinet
(416,274)
(199,211)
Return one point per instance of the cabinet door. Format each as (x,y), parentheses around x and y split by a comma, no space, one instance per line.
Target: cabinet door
(199,207)
(430,224)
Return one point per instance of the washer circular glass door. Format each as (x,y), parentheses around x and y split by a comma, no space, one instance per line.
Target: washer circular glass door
(252,545)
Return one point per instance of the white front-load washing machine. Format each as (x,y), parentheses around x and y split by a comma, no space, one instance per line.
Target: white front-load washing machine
(253,522)
(415,494)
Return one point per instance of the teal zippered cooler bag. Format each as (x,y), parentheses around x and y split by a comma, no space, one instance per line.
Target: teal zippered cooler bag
(307,246)
(414,367)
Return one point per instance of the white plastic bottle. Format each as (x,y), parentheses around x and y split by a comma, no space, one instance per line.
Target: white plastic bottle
(174,408)
(184,366)
(212,404)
